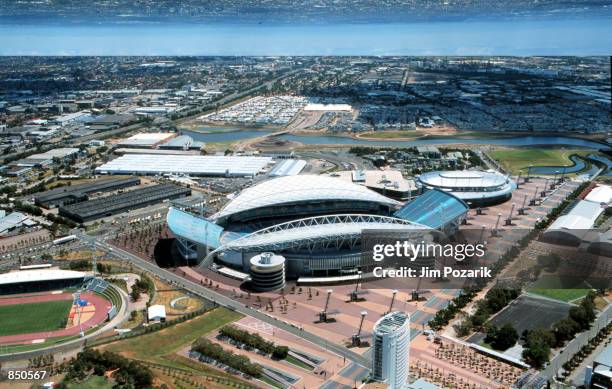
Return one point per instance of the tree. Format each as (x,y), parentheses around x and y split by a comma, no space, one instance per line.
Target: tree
(536,350)
(564,330)
(501,338)
(135,294)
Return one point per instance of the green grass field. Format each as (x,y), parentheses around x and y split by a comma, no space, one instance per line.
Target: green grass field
(93,382)
(561,294)
(560,288)
(161,346)
(34,317)
(152,347)
(519,159)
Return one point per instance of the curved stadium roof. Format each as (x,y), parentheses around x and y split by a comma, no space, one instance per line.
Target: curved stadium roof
(194,228)
(316,230)
(298,189)
(463,179)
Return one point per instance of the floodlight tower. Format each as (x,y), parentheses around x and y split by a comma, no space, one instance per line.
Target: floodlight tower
(394,293)
(323,315)
(356,339)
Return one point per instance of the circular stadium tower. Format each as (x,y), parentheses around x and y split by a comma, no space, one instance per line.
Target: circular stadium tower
(267,272)
(476,188)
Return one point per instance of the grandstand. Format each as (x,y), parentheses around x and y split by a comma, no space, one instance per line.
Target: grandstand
(103,288)
(37,280)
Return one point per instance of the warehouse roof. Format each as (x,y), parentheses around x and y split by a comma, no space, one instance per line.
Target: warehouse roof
(185,164)
(601,195)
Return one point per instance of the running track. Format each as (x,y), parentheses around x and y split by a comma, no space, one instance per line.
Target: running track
(102,307)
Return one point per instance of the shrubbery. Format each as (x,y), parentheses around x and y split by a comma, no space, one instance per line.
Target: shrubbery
(216,352)
(254,341)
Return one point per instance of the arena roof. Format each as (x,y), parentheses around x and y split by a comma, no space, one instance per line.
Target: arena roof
(194,228)
(601,195)
(581,217)
(196,165)
(313,230)
(301,188)
(463,179)
(39,275)
(434,208)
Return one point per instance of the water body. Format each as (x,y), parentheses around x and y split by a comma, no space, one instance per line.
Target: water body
(225,135)
(587,36)
(579,164)
(339,140)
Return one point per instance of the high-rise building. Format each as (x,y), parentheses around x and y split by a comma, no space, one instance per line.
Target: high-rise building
(391,350)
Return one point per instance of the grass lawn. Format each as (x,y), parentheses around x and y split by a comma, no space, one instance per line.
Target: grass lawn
(93,382)
(520,159)
(161,346)
(175,337)
(34,317)
(298,363)
(560,294)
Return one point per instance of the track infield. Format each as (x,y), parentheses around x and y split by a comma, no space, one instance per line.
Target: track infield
(34,317)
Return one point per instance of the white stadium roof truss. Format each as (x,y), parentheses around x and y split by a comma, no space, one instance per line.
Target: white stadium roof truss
(314,233)
(299,189)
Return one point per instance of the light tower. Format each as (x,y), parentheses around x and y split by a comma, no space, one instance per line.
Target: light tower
(391,341)
(356,338)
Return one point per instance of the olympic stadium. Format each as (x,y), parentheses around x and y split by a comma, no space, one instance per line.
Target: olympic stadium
(476,188)
(313,222)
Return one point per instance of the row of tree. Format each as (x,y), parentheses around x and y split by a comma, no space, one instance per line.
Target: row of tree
(214,351)
(254,341)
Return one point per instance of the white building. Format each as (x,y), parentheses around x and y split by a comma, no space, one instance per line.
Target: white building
(156,313)
(391,350)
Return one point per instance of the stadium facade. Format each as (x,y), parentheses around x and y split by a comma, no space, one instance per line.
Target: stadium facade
(314,222)
(476,188)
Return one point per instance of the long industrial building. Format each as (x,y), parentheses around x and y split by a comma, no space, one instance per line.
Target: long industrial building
(122,202)
(314,222)
(70,194)
(192,165)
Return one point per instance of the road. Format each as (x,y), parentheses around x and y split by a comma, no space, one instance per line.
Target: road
(226,301)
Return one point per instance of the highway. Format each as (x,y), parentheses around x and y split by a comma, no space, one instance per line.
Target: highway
(226,301)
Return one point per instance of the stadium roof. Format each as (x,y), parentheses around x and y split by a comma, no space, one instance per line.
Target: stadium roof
(463,179)
(309,232)
(197,165)
(194,228)
(39,275)
(434,208)
(301,188)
